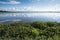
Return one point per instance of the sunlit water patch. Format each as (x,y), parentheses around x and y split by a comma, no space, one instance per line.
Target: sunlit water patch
(29,17)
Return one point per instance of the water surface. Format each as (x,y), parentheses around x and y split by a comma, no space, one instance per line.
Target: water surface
(29,17)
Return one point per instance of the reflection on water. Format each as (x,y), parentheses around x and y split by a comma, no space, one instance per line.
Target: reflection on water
(29,16)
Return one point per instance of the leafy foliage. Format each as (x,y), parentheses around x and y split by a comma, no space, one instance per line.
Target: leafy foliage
(30,31)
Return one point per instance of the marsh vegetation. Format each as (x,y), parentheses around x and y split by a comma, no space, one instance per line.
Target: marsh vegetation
(30,31)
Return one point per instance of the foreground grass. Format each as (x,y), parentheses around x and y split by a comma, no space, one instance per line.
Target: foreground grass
(30,31)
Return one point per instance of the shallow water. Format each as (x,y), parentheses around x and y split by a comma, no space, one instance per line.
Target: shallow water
(29,17)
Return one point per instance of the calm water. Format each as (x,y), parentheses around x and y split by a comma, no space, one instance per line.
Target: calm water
(29,17)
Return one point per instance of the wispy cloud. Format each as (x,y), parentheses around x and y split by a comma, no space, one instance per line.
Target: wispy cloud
(40,0)
(10,2)
(55,7)
(33,8)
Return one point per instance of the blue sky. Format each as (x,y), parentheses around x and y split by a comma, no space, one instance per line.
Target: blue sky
(30,5)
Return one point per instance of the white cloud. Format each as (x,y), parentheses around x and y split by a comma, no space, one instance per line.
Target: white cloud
(40,0)
(12,9)
(10,2)
(33,8)
(35,0)
(47,8)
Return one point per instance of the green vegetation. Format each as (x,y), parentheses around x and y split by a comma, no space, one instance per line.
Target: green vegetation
(30,31)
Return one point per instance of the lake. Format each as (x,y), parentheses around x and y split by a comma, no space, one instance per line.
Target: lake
(4,17)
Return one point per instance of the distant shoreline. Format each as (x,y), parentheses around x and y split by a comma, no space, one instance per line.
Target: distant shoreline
(29,11)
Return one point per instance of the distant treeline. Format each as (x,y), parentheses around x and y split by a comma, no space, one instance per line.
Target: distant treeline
(30,31)
(30,11)
(2,11)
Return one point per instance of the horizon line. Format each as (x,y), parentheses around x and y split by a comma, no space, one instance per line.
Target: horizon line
(31,11)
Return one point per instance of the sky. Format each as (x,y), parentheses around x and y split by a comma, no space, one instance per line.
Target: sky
(30,5)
